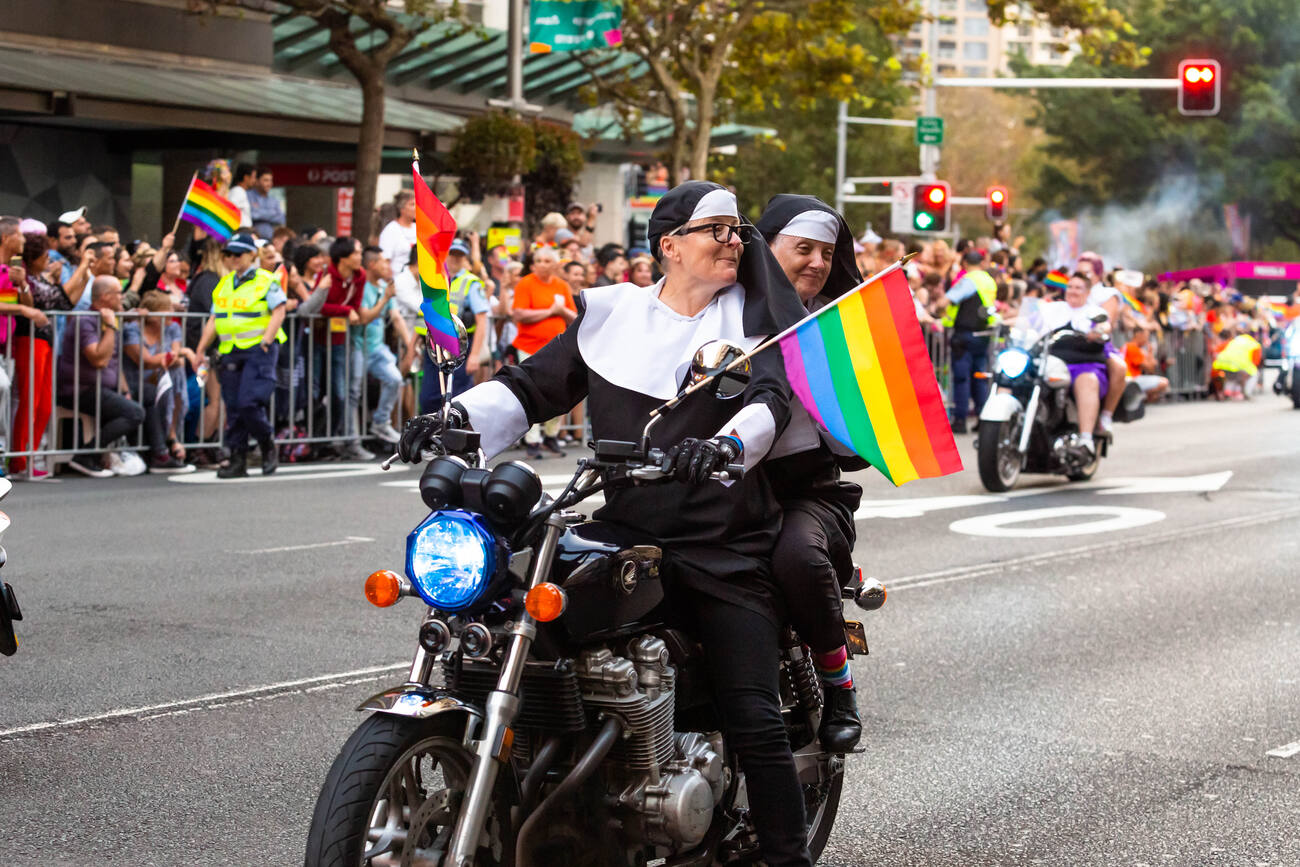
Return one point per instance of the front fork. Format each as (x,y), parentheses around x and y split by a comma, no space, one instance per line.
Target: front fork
(1031,412)
(492,748)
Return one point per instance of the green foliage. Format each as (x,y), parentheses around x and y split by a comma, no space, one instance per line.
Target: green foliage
(554,172)
(1125,146)
(492,148)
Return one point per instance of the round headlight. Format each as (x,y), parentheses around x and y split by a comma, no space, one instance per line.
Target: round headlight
(449,559)
(1012,363)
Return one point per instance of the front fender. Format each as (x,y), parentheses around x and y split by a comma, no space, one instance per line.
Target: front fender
(417,701)
(1000,406)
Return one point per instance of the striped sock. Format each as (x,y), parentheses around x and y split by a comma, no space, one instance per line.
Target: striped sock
(833,668)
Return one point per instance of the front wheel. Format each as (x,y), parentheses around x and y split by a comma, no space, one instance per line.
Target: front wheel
(392,797)
(998,447)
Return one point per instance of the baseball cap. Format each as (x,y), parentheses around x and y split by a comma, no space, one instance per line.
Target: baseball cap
(564,236)
(459,246)
(29,226)
(1129,277)
(240,242)
(575,206)
(72,216)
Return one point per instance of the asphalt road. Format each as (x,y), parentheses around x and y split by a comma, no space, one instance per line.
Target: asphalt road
(192,653)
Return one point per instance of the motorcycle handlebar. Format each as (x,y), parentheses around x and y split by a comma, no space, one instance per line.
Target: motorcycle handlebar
(656,473)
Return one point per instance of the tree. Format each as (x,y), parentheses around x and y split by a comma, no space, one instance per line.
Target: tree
(1128,146)
(400,23)
(549,183)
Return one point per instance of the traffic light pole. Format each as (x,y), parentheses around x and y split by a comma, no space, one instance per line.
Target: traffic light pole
(1055,83)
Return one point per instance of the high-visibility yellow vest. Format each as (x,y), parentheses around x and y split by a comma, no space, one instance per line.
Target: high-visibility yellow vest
(1241,354)
(241,311)
(986,296)
(458,297)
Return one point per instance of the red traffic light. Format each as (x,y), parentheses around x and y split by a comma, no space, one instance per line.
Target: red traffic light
(930,207)
(997,196)
(995,205)
(936,195)
(1198,87)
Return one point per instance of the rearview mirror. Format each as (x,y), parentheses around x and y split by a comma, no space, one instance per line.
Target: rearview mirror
(712,358)
(1100,318)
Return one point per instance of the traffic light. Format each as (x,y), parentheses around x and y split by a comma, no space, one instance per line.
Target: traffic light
(995,205)
(1198,87)
(930,203)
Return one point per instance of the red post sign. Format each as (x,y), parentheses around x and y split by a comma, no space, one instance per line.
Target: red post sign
(343,211)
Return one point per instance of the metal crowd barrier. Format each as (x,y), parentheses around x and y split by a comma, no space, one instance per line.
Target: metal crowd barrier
(304,408)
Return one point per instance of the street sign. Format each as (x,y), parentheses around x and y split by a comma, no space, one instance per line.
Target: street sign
(900,207)
(929,130)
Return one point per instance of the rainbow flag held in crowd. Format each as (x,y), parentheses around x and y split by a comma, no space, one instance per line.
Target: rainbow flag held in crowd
(1130,301)
(1056,280)
(860,368)
(209,211)
(435,229)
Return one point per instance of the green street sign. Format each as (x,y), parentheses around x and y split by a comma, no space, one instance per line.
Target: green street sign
(929,130)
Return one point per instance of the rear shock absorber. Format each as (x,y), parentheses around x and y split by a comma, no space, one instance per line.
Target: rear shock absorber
(803,677)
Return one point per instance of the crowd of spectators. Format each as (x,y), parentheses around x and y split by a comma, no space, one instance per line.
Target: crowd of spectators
(127,384)
(133,388)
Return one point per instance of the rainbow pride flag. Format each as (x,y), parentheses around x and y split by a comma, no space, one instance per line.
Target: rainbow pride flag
(1056,280)
(860,368)
(1130,301)
(209,211)
(435,229)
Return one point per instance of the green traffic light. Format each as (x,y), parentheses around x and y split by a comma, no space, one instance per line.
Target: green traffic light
(923,220)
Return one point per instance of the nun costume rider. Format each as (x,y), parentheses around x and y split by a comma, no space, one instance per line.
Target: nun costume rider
(626,354)
(813,558)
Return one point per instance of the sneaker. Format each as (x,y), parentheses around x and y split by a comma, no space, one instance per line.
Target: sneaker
(167,463)
(385,432)
(534,452)
(552,446)
(353,451)
(89,465)
(36,476)
(1105,422)
(132,464)
(112,461)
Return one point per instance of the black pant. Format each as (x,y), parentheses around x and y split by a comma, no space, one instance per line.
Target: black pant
(118,415)
(811,563)
(247,383)
(155,417)
(741,651)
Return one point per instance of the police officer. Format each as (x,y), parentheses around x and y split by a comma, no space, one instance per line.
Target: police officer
(969,314)
(466,297)
(248,307)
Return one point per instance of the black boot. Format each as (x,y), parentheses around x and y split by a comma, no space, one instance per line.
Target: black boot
(238,468)
(841,726)
(270,456)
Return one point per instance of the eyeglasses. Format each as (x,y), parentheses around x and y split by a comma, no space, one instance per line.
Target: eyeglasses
(722,232)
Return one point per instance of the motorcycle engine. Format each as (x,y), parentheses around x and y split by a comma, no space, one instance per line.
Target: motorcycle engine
(665,783)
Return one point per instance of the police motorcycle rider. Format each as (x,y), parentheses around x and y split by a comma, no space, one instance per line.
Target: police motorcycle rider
(627,353)
(813,559)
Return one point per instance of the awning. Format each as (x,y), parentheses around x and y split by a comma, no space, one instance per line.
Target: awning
(174,96)
(602,123)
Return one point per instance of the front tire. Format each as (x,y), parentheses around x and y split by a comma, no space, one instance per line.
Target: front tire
(998,448)
(393,793)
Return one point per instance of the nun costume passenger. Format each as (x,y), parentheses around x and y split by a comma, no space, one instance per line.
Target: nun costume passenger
(627,353)
(813,558)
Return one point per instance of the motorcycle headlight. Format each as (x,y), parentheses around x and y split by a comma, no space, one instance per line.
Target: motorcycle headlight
(450,559)
(1012,362)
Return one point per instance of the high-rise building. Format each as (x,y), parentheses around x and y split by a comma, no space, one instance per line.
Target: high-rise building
(967,43)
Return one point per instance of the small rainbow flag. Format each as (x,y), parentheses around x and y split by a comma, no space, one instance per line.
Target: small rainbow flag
(860,368)
(435,229)
(8,295)
(1056,280)
(209,211)
(1130,301)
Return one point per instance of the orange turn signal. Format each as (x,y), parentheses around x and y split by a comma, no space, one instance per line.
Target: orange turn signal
(545,602)
(383,588)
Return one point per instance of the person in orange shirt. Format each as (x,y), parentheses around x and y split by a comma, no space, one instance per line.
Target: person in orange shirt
(542,308)
(1142,366)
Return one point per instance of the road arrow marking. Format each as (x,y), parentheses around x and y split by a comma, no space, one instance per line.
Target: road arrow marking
(1166,484)
(1285,751)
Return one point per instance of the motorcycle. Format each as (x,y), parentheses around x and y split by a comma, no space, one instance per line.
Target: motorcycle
(1032,384)
(1287,383)
(572,724)
(9,610)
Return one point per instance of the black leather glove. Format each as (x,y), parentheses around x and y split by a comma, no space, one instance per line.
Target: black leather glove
(694,460)
(420,433)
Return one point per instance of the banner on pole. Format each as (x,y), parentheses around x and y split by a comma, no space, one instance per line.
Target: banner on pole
(574,25)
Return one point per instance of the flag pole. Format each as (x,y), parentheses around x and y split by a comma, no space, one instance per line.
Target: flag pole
(879,275)
(439,354)
(194,177)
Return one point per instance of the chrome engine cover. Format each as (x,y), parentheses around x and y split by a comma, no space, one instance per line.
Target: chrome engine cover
(667,782)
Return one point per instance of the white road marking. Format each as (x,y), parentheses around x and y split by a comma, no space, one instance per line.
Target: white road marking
(289,473)
(1285,751)
(1167,484)
(919,506)
(979,570)
(1114,518)
(346,540)
(212,701)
